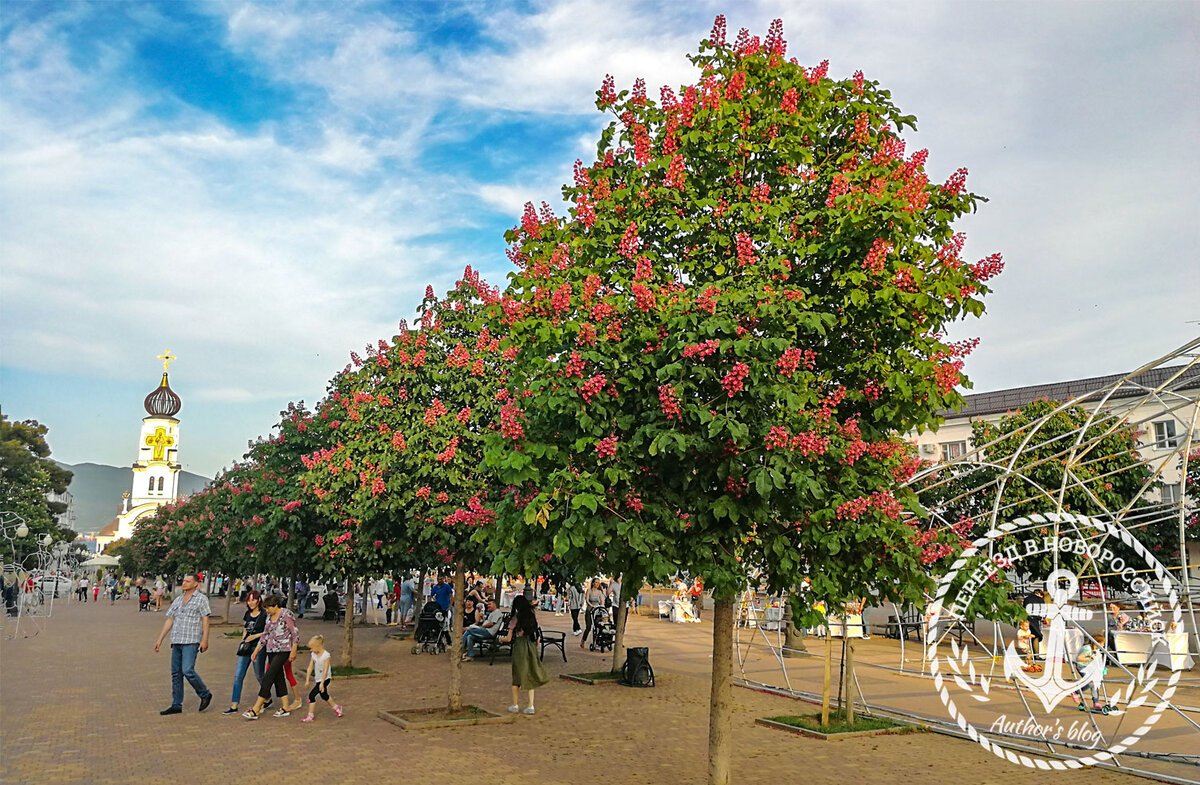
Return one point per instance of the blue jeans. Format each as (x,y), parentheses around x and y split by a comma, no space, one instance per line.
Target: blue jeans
(183,666)
(473,634)
(242,666)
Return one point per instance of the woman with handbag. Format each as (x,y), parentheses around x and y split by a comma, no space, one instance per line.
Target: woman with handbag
(255,621)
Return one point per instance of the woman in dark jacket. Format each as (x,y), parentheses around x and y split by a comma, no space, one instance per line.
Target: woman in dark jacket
(255,621)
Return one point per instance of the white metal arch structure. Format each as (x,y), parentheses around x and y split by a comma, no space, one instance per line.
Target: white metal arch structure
(1166,389)
(29,599)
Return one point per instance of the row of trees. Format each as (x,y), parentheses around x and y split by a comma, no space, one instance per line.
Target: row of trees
(703,367)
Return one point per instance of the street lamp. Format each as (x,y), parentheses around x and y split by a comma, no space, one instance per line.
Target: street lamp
(22,531)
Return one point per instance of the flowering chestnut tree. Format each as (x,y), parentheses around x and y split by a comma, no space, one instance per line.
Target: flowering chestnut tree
(405,475)
(717,345)
(273,498)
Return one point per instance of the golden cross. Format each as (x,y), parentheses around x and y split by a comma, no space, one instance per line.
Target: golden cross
(166,357)
(159,441)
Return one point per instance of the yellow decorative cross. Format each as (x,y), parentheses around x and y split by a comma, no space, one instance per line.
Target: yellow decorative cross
(160,442)
(167,357)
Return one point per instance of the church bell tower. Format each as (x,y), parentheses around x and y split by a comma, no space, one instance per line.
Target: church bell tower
(156,470)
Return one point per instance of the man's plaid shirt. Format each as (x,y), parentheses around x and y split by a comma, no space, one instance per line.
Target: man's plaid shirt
(188,626)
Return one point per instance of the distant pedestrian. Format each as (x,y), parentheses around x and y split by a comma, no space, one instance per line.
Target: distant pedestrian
(593,601)
(96,590)
(614,599)
(408,590)
(279,645)
(575,600)
(113,591)
(1035,623)
(187,621)
(159,586)
(697,593)
(301,597)
(527,670)
(379,589)
(81,589)
(320,671)
(443,593)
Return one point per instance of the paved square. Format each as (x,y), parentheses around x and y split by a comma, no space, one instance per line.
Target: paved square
(79,703)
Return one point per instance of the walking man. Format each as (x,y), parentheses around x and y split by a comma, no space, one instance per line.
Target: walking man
(187,621)
(408,590)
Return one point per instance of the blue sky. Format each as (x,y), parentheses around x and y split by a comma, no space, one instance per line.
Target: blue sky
(263,187)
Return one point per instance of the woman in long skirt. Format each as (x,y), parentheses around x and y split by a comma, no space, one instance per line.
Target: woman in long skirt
(527,671)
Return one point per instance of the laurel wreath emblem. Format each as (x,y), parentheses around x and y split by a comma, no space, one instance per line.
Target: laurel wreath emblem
(961,671)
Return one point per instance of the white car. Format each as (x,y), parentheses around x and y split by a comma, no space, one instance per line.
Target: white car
(50,583)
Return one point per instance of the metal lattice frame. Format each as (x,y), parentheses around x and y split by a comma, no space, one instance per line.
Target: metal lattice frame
(29,599)
(1127,406)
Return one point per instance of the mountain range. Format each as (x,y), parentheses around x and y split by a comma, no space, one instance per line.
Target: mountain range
(97,490)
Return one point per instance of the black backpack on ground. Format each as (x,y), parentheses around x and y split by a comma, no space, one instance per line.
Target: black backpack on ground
(636,672)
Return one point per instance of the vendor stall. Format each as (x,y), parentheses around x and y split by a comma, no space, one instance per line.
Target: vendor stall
(1139,648)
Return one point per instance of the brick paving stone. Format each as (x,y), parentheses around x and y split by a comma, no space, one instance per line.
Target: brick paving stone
(79,703)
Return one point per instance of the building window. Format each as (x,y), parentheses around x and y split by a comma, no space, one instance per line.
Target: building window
(1170,493)
(160,483)
(1164,435)
(952,450)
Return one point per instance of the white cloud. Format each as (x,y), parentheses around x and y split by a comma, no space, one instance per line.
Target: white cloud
(263,256)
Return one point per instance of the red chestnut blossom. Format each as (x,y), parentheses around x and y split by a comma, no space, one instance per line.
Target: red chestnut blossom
(447,455)
(592,387)
(877,256)
(700,350)
(669,400)
(733,381)
(793,358)
(510,421)
(435,410)
(607,447)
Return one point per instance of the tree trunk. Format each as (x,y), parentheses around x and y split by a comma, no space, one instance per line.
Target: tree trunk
(720,703)
(619,639)
(291,594)
(419,596)
(456,630)
(850,685)
(228,599)
(827,686)
(347,658)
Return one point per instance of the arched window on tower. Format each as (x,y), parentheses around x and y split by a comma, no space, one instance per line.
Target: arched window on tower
(151,490)
(160,484)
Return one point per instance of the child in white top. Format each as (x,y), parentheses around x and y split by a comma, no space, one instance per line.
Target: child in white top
(320,671)
(1024,644)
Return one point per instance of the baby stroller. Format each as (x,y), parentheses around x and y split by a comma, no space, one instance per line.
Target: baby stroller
(604,632)
(143,599)
(431,634)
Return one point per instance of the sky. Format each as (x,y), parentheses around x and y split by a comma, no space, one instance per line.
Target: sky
(264,187)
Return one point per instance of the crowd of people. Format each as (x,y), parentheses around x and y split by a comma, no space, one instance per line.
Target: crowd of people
(269,644)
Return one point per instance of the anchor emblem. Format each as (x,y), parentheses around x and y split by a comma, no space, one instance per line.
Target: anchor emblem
(1050,687)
